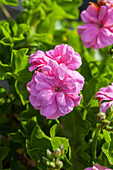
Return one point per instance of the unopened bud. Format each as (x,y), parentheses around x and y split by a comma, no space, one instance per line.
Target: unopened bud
(109,128)
(49,154)
(59,164)
(105,122)
(52,164)
(47,163)
(101,116)
(62,149)
(57,153)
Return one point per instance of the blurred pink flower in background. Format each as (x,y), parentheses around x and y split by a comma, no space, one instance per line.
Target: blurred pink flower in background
(105,93)
(97,32)
(55,90)
(61,53)
(97,167)
(108,1)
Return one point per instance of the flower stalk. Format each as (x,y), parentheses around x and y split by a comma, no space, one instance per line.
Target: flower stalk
(94,144)
(5,11)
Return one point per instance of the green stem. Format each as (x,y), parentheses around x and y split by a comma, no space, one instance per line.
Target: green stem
(57,121)
(5,11)
(94,144)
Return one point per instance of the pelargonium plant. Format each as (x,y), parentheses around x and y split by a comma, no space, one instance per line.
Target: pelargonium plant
(56,91)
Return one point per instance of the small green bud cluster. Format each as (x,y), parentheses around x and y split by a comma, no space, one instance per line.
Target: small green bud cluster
(53,159)
(106,119)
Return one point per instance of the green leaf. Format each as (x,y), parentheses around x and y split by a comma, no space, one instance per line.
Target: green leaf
(3,69)
(6,41)
(17,137)
(17,165)
(89,90)
(39,140)
(85,70)
(42,37)
(107,136)
(102,82)
(21,90)
(35,154)
(58,141)
(60,13)
(19,60)
(22,28)
(6,29)
(3,152)
(29,113)
(77,129)
(66,163)
(53,130)
(29,125)
(13,27)
(107,149)
(10,2)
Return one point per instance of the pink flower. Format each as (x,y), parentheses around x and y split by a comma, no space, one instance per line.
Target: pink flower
(61,53)
(108,1)
(105,93)
(97,167)
(97,32)
(54,91)
(38,60)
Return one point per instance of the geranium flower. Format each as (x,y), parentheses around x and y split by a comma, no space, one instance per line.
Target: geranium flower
(55,91)
(61,54)
(108,1)
(97,167)
(105,93)
(97,32)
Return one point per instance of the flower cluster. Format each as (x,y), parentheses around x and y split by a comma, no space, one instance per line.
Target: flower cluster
(97,32)
(97,167)
(105,93)
(55,90)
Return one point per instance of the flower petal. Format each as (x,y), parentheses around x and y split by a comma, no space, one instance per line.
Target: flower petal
(34,101)
(49,110)
(68,107)
(60,97)
(46,97)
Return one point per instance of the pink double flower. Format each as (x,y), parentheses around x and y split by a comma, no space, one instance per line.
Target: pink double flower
(105,95)
(97,167)
(97,31)
(55,89)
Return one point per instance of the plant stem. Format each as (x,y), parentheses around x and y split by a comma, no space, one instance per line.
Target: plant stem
(57,121)
(5,11)
(94,144)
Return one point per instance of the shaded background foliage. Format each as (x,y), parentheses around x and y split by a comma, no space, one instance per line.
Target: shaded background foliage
(25,135)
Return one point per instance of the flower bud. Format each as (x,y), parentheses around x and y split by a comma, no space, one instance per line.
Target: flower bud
(52,164)
(109,128)
(101,116)
(59,164)
(62,149)
(105,122)
(57,153)
(49,154)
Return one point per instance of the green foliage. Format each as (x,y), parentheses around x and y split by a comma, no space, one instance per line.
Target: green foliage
(3,153)
(25,135)
(8,2)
